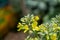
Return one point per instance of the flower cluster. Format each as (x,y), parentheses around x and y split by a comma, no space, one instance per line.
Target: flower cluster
(47,31)
(29,23)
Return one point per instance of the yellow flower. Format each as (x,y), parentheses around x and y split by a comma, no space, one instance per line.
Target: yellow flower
(34,24)
(36,18)
(26,28)
(55,27)
(54,36)
(36,28)
(42,28)
(19,24)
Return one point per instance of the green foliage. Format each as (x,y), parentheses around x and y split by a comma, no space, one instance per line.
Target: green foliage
(56,19)
(2,20)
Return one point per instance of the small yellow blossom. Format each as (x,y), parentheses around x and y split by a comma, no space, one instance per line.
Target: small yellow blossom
(55,27)
(54,36)
(19,24)
(36,28)
(26,28)
(42,28)
(36,18)
(34,24)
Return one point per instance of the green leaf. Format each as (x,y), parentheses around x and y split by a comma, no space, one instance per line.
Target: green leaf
(2,20)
